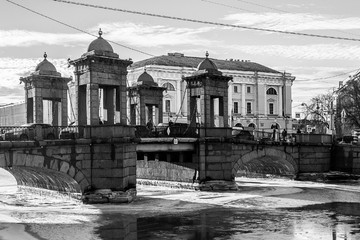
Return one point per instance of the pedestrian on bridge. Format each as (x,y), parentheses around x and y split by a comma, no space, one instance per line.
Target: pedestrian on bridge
(284,134)
(150,125)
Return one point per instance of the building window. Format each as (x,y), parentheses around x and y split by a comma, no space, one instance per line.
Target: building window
(168,86)
(235,89)
(248,108)
(271,91)
(297,115)
(248,89)
(236,107)
(167,106)
(271,108)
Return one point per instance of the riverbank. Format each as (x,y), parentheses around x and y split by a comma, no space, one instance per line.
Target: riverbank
(53,219)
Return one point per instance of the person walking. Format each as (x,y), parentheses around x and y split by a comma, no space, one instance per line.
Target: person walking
(284,134)
(150,125)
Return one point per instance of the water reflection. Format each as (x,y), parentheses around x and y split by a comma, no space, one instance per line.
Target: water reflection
(262,210)
(118,227)
(321,221)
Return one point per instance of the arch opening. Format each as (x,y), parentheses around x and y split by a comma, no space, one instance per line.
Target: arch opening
(266,164)
(266,167)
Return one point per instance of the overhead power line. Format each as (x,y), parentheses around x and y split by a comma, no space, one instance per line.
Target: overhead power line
(323,78)
(225,5)
(207,22)
(77,29)
(263,6)
(279,10)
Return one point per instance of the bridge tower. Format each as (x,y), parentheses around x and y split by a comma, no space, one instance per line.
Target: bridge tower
(146,101)
(99,91)
(208,95)
(46,95)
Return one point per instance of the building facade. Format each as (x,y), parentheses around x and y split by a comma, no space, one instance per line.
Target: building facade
(258,96)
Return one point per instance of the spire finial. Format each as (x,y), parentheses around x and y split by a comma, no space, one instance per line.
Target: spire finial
(100,32)
(144,69)
(45,55)
(207,54)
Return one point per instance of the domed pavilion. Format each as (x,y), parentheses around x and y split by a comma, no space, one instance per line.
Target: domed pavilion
(98,92)
(146,101)
(46,95)
(207,95)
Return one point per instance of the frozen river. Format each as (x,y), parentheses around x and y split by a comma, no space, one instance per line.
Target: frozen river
(261,209)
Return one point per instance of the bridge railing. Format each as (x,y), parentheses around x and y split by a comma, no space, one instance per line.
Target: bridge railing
(166,131)
(28,132)
(46,132)
(267,136)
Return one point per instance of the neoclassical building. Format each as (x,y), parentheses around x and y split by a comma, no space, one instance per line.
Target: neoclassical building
(258,96)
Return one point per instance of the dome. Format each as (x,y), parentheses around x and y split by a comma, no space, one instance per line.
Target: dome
(207,64)
(146,79)
(100,44)
(46,68)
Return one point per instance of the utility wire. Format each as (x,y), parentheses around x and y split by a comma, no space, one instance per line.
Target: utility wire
(263,6)
(225,5)
(181,105)
(323,78)
(76,28)
(279,10)
(207,22)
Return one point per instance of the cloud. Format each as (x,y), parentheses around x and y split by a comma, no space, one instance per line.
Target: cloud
(143,35)
(293,21)
(140,35)
(11,69)
(311,51)
(307,83)
(24,38)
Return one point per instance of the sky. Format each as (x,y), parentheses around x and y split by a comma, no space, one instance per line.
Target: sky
(317,63)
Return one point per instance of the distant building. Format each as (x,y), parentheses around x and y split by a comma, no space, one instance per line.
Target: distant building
(13,114)
(258,95)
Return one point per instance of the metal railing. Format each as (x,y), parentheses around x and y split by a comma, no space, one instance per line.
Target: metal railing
(166,131)
(48,132)
(39,132)
(267,136)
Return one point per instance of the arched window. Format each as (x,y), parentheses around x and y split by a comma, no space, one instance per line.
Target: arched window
(168,86)
(271,91)
(252,125)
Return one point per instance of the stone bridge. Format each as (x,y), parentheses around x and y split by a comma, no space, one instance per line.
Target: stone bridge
(219,158)
(74,165)
(99,162)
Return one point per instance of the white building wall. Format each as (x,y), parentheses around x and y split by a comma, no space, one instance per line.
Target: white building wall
(242,80)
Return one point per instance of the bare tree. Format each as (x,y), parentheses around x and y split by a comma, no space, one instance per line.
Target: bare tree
(348,104)
(319,111)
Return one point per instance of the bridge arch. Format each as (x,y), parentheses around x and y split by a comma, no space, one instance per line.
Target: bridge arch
(268,160)
(44,172)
